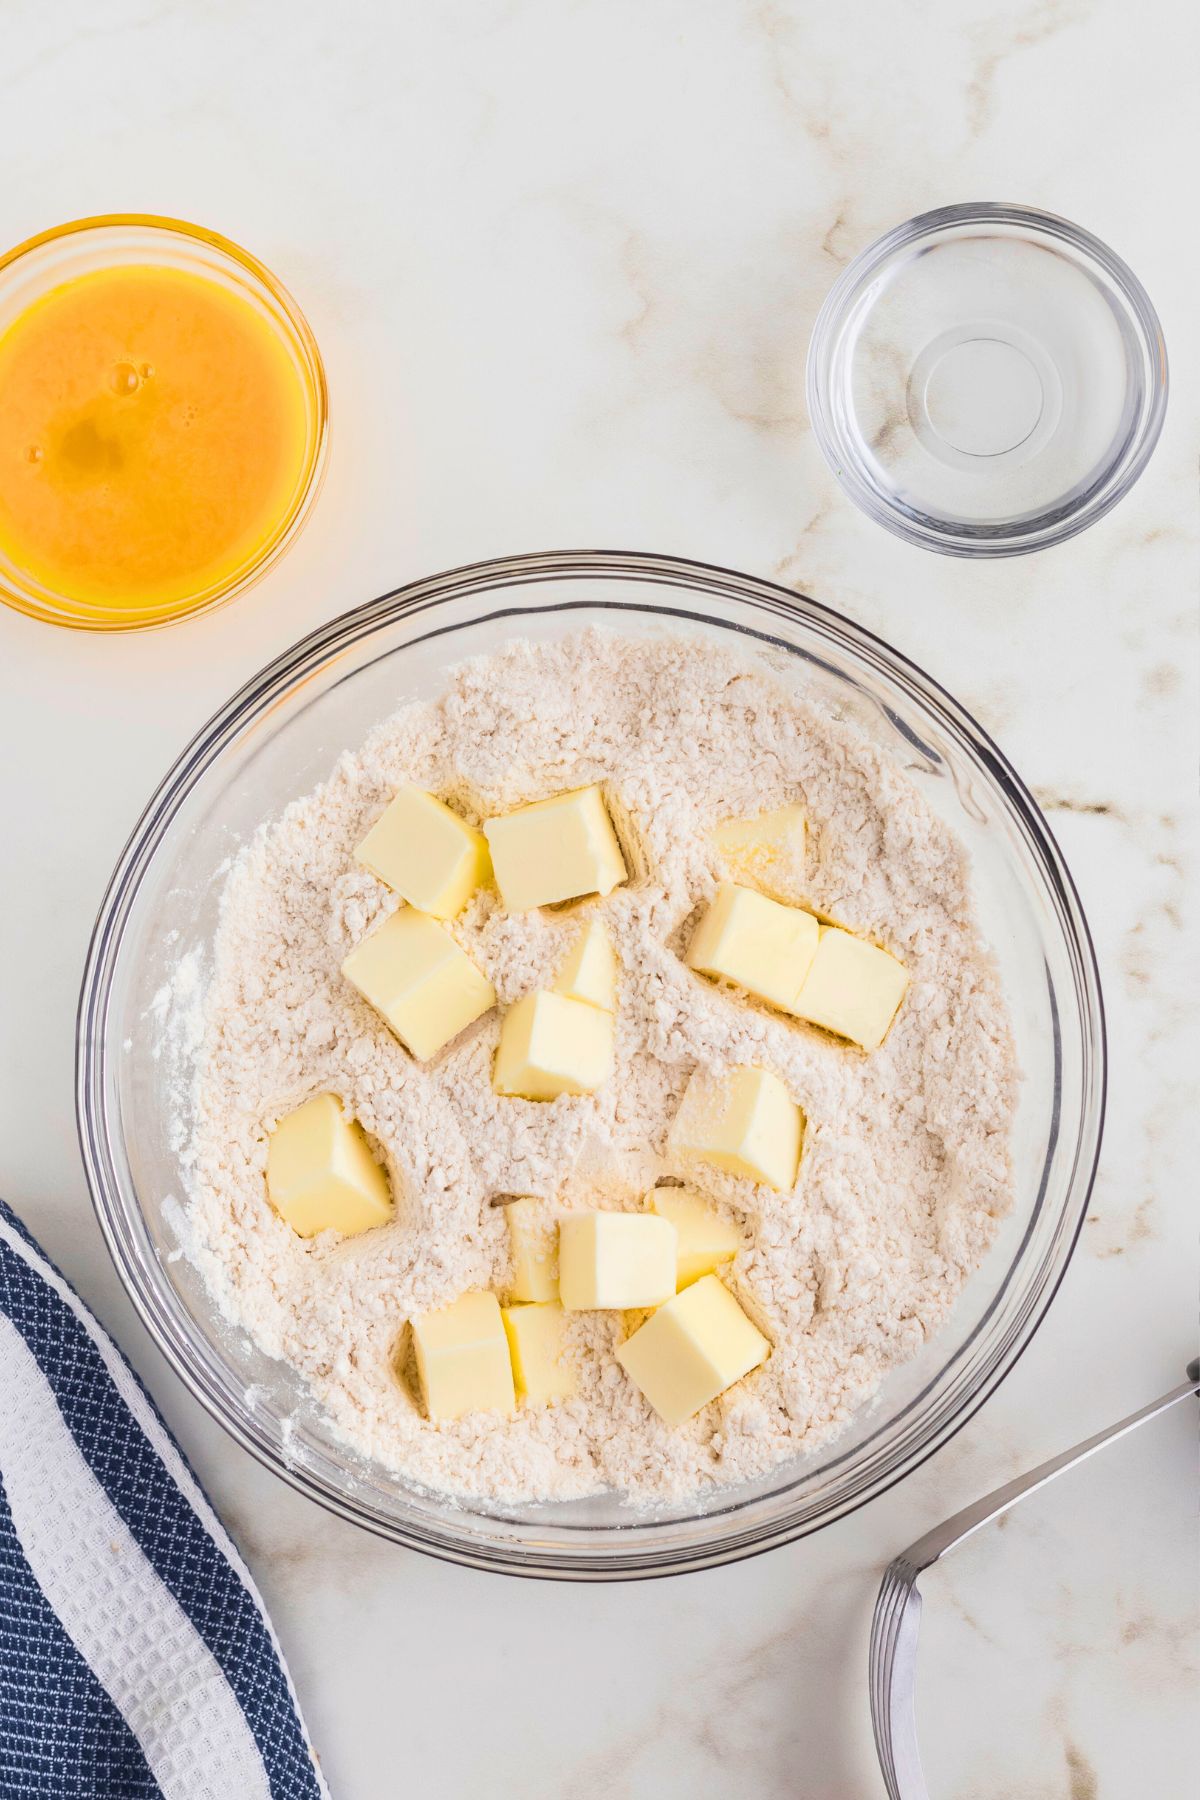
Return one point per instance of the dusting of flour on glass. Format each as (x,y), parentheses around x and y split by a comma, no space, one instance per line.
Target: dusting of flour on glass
(906,1169)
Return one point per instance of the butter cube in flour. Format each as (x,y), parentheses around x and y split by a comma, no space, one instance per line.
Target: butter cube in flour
(533,1236)
(555,849)
(763,946)
(853,988)
(705,1239)
(692,1349)
(535,1341)
(321,1175)
(743,1120)
(463,1360)
(766,852)
(414,974)
(423,850)
(615,1259)
(550,1045)
(590,971)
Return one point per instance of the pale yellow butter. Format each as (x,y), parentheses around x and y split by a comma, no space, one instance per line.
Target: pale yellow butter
(533,1237)
(692,1349)
(550,1045)
(535,1342)
(590,971)
(705,1239)
(852,988)
(414,974)
(463,1360)
(767,852)
(555,849)
(615,1259)
(321,1175)
(427,853)
(762,945)
(743,1120)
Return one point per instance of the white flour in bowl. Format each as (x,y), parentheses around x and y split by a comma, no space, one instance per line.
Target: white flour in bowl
(906,1168)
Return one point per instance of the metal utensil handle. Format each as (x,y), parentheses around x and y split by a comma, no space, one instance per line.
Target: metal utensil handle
(896,1624)
(964,1524)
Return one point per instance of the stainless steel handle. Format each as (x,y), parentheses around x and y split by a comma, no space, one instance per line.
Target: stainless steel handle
(896,1625)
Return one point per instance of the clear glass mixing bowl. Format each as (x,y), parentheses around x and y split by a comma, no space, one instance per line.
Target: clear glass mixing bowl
(280,735)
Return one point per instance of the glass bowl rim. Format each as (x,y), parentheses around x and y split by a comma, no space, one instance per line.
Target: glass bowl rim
(305,347)
(1045,530)
(280,676)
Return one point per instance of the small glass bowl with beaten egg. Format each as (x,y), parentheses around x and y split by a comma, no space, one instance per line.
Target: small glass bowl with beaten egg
(163,422)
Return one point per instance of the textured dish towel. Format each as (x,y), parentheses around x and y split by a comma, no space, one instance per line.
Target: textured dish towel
(136,1658)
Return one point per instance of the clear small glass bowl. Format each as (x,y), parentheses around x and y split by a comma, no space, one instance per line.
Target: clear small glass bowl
(45,262)
(280,735)
(987,380)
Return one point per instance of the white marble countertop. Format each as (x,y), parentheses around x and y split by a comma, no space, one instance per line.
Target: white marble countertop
(563,260)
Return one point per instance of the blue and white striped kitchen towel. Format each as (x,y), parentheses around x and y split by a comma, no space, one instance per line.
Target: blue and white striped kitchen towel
(136,1658)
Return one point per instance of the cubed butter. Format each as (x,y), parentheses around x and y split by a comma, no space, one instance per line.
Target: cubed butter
(615,1259)
(692,1349)
(463,1360)
(550,1045)
(321,1175)
(414,974)
(705,1239)
(766,852)
(590,971)
(427,853)
(533,1237)
(743,1120)
(853,988)
(555,849)
(535,1342)
(763,946)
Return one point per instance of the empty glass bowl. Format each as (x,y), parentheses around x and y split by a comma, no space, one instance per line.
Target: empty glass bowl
(987,380)
(280,735)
